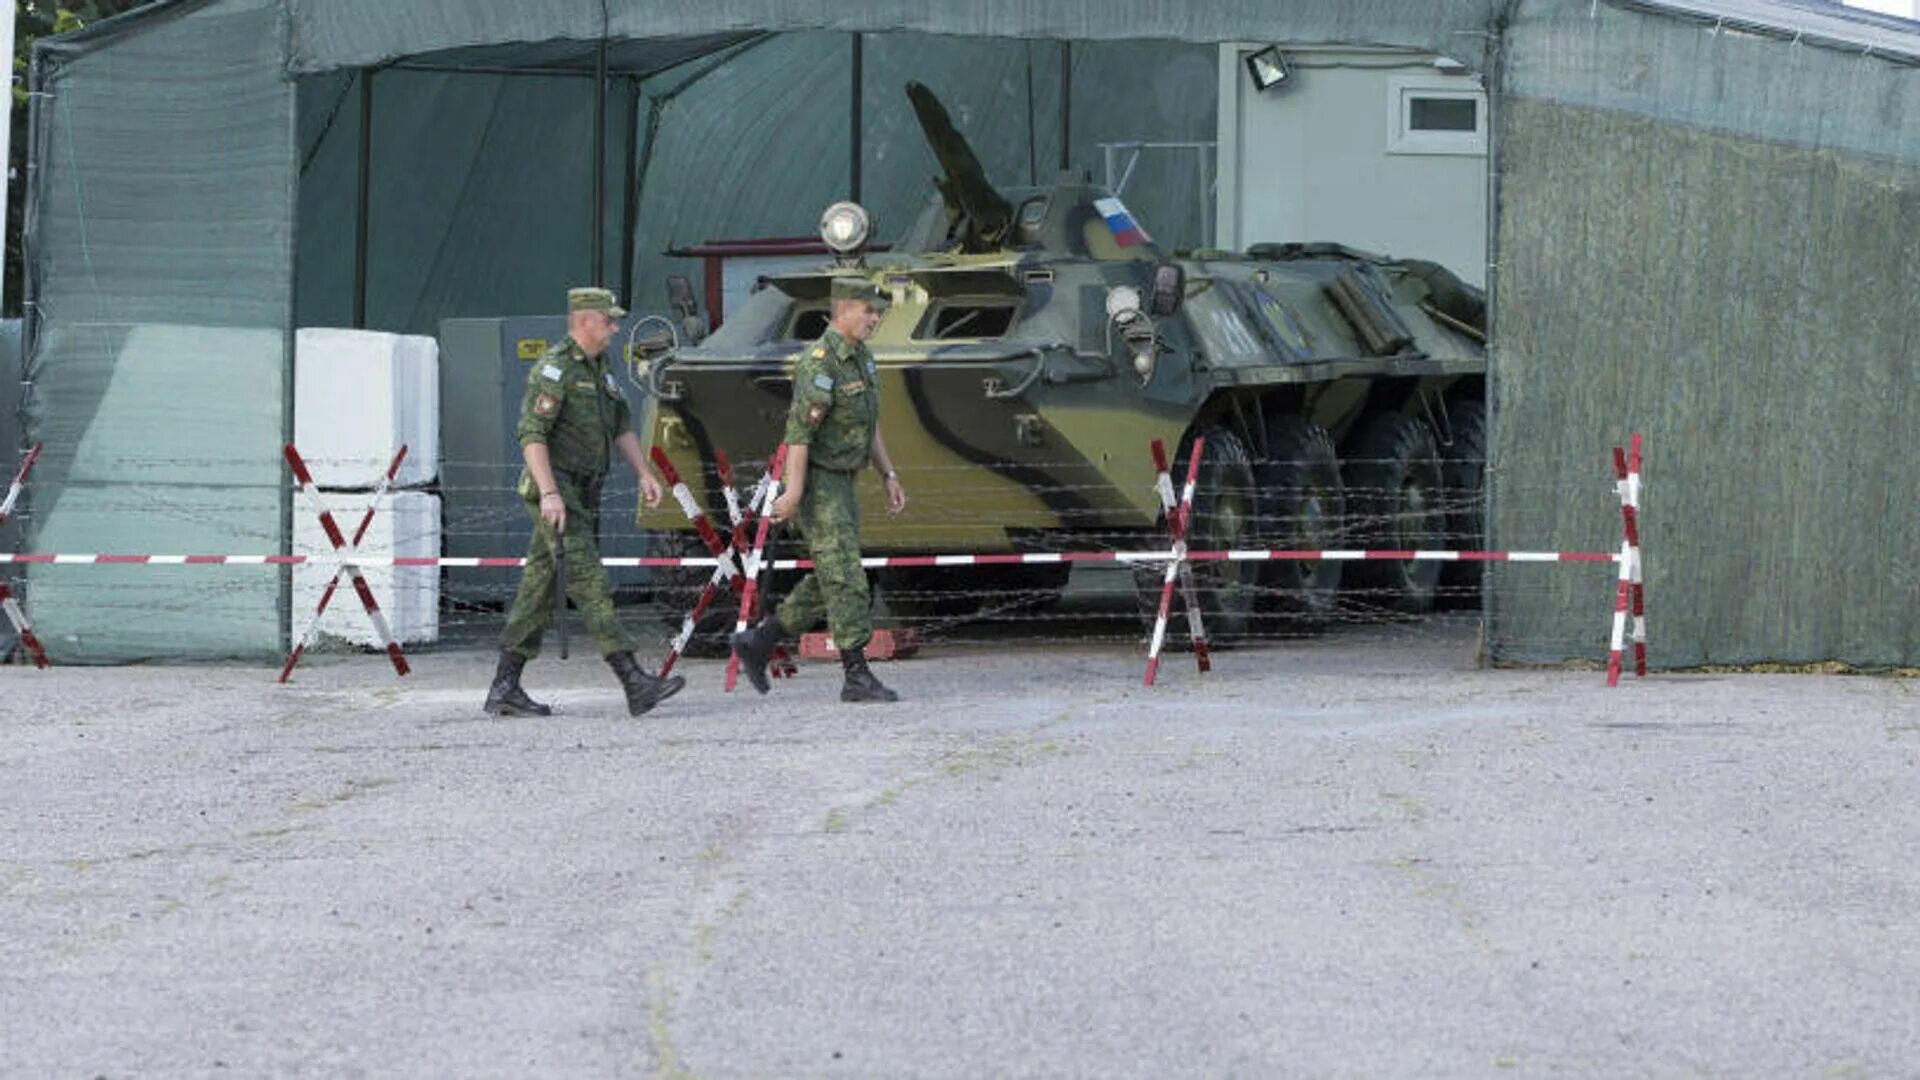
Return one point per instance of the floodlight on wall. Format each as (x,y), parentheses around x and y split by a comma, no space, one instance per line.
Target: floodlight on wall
(1268,68)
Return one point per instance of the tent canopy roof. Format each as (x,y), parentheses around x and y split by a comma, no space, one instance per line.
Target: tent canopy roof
(625,56)
(327,35)
(651,35)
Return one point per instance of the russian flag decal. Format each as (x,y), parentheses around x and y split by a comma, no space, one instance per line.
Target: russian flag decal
(1126,232)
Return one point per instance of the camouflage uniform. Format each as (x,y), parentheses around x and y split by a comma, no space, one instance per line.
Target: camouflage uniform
(573,405)
(835,412)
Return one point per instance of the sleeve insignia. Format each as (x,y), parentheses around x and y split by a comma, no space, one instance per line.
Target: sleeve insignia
(545,404)
(823,381)
(550,371)
(816,412)
(611,385)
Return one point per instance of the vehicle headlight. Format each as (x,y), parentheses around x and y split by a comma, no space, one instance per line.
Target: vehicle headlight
(844,227)
(1142,340)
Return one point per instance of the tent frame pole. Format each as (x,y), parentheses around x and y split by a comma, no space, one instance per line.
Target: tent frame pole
(599,242)
(363,198)
(855,118)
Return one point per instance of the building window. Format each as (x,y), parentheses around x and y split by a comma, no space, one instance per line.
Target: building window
(1435,115)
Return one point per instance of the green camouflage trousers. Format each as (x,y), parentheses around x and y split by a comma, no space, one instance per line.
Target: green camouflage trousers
(532,612)
(829,518)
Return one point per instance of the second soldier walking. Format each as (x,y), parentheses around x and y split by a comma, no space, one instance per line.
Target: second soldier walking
(833,432)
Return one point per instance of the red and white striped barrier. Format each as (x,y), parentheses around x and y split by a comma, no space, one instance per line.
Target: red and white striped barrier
(727,557)
(1630,596)
(19,483)
(739,564)
(1178,567)
(751,567)
(1156,555)
(21,627)
(726,568)
(779,665)
(349,562)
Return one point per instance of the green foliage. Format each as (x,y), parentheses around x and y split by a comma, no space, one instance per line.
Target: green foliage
(35,19)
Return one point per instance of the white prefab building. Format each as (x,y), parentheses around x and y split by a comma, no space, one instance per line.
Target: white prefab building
(1383,150)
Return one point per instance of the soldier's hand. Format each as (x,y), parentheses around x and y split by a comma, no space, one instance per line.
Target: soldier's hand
(650,490)
(896,496)
(553,511)
(784,506)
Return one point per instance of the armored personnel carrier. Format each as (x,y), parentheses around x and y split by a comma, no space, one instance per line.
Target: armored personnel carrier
(1039,340)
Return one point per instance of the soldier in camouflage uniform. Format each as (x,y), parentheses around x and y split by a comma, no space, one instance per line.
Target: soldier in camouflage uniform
(571,417)
(833,431)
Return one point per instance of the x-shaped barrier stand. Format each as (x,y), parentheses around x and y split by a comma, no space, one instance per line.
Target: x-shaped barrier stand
(347,565)
(730,554)
(1179,515)
(755,558)
(15,615)
(761,502)
(1630,596)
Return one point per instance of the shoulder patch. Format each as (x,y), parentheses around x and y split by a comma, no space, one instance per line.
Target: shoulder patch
(544,405)
(823,382)
(551,371)
(816,413)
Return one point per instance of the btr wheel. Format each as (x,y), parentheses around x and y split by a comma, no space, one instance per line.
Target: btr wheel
(1302,507)
(1224,518)
(1394,503)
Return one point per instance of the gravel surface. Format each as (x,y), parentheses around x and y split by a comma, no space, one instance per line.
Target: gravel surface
(1354,857)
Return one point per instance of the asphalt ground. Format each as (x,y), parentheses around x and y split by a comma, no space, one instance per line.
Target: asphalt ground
(1362,856)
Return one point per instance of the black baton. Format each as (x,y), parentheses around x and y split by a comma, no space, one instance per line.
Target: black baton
(560,588)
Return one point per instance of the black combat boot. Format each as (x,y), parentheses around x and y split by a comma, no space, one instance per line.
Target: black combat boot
(644,691)
(755,648)
(504,697)
(861,685)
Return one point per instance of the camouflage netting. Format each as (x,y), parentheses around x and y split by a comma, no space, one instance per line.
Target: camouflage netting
(1704,233)
(161,233)
(1707,236)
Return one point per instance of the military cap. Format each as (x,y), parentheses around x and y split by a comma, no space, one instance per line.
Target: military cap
(593,298)
(859,288)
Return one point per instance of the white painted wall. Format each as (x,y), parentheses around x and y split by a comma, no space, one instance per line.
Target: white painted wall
(1317,160)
